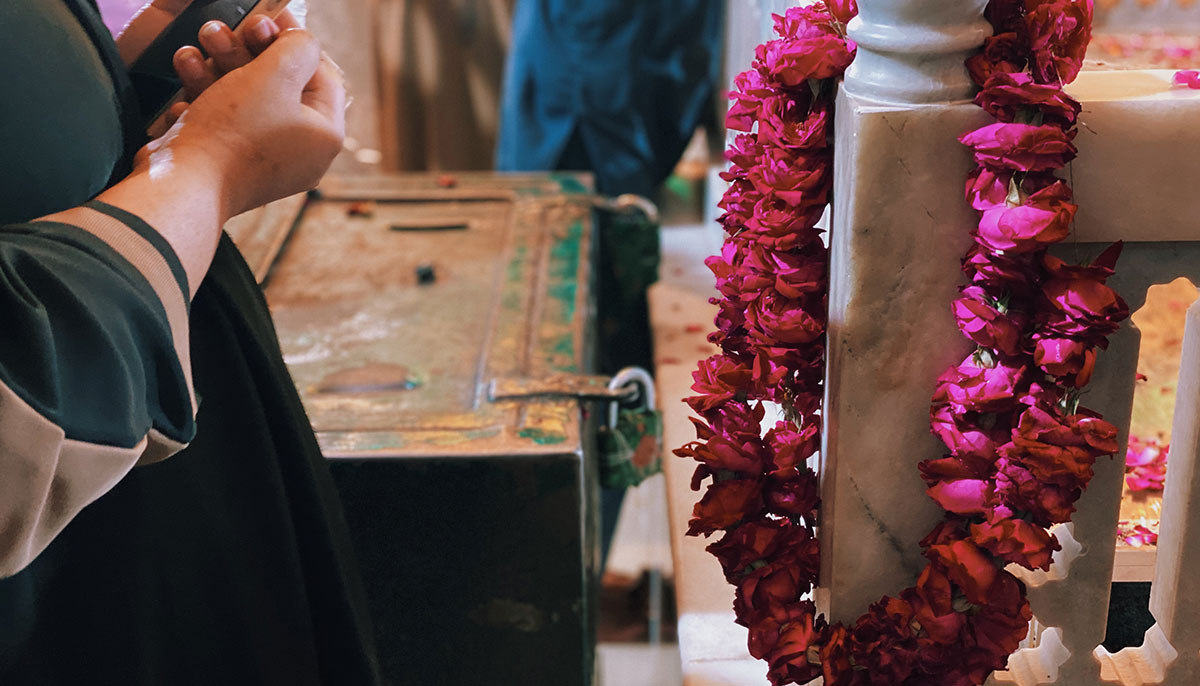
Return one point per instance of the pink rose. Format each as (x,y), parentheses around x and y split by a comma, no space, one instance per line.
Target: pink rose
(791,447)
(791,273)
(962,496)
(979,321)
(973,444)
(1059,32)
(1021,147)
(1041,219)
(979,389)
(842,10)
(782,226)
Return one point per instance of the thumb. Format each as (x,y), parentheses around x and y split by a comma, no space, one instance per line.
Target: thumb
(288,64)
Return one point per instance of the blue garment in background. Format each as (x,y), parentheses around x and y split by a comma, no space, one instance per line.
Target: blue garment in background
(615,87)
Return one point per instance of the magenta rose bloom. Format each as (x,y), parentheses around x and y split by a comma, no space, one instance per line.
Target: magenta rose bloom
(1015,273)
(749,91)
(962,496)
(792,274)
(775,319)
(797,181)
(980,389)
(718,379)
(1021,147)
(978,320)
(1041,219)
(795,122)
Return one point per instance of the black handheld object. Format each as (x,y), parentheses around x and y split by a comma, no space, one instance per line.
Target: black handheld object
(153,73)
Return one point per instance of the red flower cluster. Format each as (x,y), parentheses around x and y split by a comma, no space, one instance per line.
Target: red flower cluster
(1020,451)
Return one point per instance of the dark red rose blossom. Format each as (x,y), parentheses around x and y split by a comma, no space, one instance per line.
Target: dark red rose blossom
(1002,54)
(724,504)
(1006,96)
(1059,32)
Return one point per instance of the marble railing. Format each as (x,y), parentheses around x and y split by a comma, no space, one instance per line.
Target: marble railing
(900,228)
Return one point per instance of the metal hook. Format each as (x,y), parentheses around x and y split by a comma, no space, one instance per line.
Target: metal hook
(644,383)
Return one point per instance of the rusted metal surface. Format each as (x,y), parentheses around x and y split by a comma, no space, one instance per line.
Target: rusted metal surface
(389,367)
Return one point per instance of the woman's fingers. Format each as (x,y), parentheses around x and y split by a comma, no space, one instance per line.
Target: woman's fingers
(196,73)
(259,33)
(226,50)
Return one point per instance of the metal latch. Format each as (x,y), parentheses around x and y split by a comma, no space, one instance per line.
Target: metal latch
(631,384)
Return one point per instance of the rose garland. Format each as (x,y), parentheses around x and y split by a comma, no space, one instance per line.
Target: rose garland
(1020,449)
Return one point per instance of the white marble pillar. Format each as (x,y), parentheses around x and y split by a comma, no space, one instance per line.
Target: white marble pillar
(900,229)
(912,51)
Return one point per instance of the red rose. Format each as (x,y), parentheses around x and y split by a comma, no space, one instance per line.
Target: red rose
(769,589)
(968,567)
(791,641)
(724,504)
(1016,540)
(882,642)
(744,152)
(796,497)
(967,441)
(1059,32)
(727,453)
(1005,96)
(1060,450)
(756,541)
(739,202)
(718,379)
(1002,53)
(1081,308)
(932,602)
(795,21)
(1069,359)
(1045,503)
(1021,147)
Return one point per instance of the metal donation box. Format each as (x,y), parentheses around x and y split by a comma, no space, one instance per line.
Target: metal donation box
(402,304)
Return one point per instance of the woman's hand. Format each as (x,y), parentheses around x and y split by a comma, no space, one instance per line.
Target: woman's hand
(264,131)
(226,51)
(272,126)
